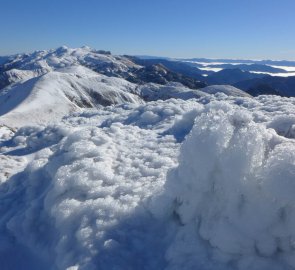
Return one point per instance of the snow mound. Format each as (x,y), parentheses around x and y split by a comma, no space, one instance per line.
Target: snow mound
(233,193)
(226,89)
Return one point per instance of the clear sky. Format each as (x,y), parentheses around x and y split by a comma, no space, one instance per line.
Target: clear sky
(256,29)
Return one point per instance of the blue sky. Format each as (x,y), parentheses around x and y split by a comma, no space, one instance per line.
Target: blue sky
(256,29)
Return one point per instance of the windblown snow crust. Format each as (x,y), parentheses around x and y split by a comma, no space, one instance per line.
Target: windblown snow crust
(206,183)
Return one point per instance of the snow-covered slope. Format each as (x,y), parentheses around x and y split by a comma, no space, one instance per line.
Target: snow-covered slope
(92,192)
(226,89)
(49,97)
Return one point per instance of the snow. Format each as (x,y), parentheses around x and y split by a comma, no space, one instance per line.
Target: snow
(16,75)
(108,189)
(9,164)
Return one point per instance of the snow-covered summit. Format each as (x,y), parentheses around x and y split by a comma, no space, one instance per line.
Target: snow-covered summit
(64,56)
(41,62)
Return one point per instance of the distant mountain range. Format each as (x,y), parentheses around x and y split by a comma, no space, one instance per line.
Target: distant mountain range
(255,77)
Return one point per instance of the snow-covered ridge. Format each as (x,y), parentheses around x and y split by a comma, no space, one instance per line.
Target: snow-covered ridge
(49,97)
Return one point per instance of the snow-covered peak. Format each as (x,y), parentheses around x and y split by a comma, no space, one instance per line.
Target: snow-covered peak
(48,60)
(85,60)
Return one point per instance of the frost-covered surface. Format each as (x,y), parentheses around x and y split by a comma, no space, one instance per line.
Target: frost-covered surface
(87,186)
(203,184)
